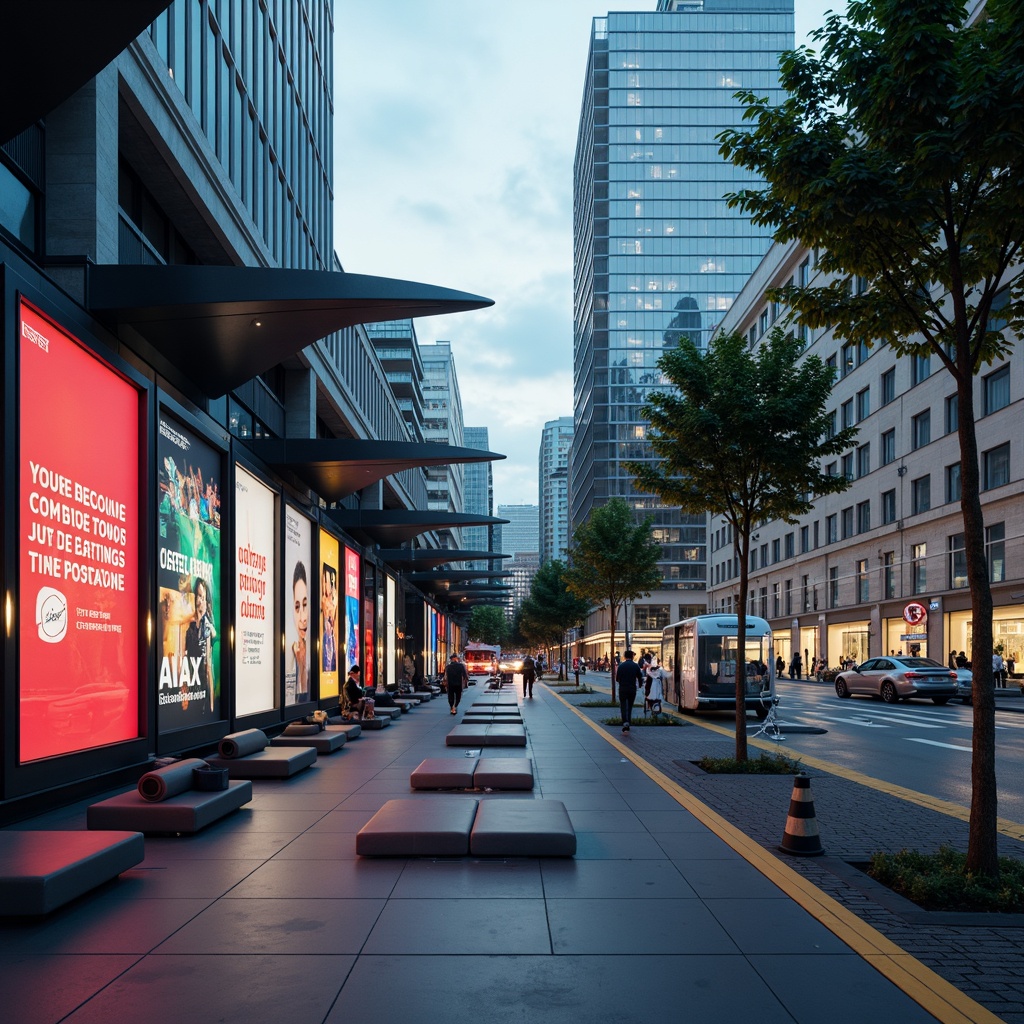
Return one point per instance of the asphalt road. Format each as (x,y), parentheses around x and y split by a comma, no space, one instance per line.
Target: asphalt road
(916,744)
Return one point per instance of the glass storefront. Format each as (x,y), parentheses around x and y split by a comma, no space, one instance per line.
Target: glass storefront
(1007,633)
(847,641)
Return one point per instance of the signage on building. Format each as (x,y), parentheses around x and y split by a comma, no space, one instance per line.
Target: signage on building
(351,651)
(915,613)
(298,596)
(329,610)
(78,527)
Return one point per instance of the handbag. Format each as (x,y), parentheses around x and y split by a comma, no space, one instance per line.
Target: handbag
(655,707)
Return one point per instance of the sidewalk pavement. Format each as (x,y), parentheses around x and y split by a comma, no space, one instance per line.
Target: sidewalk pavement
(981,954)
(666,912)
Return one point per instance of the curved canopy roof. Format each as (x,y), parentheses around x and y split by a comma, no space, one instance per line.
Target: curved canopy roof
(394,526)
(424,558)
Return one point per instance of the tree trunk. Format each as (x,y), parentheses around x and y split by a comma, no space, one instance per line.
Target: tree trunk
(614,609)
(982,850)
(740,548)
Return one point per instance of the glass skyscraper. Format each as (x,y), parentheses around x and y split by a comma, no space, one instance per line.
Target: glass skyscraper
(658,254)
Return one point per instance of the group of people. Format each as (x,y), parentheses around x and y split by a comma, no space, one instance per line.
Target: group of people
(630,675)
(1002,668)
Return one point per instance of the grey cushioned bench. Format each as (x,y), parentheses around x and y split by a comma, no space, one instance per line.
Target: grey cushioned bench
(246,756)
(503,773)
(363,724)
(185,813)
(473,717)
(522,828)
(483,735)
(301,735)
(391,713)
(443,773)
(426,826)
(40,871)
(423,695)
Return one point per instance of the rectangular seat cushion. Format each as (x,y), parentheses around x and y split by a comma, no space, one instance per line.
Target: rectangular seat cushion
(503,773)
(40,871)
(443,773)
(467,735)
(378,722)
(185,813)
(505,736)
(391,713)
(423,695)
(522,828)
(425,826)
(351,730)
(323,742)
(272,763)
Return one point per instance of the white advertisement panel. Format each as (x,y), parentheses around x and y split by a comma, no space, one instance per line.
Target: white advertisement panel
(298,559)
(255,599)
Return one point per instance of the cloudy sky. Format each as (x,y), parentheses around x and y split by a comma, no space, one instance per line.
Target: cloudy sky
(455,130)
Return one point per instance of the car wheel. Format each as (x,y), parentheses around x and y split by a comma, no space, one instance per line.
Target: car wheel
(889,694)
(842,690)
(940,700)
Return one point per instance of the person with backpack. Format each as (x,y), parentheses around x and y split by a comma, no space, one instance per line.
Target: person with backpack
(529,676)
(455,677)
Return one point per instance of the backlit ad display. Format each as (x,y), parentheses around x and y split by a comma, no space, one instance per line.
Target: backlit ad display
(298,596)
(330,583)
(188,578)
(255,598)
(351,653)
(78,521)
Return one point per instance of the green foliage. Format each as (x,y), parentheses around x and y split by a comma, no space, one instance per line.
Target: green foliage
(659,721)
(766,764)
(941,881)
(598,704)
(488,625)
(551,609)
(579,689)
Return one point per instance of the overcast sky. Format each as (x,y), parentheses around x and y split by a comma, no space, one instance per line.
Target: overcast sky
(455,131)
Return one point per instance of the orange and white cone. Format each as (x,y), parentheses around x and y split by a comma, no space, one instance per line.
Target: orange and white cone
(801,837)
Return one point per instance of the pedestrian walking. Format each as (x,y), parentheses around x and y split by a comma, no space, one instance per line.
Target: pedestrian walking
(654,688)
(628,677)
(529,676)
(997,668)
(780,665)
(455,677)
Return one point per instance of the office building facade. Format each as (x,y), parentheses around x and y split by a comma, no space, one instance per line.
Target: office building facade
(478,484)
(553,488)
(658,255)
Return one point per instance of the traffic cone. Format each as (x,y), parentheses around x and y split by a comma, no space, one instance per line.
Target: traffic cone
(801,837)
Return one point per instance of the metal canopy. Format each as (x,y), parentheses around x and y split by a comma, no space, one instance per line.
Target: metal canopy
(460,575)
(53,47)
(338,467)
(395,526)
(222,326)
(424,558)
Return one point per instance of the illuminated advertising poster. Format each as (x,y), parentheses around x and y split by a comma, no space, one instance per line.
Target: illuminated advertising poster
(188,577)
(78,598)
(329,582)
(255,605)
(298,552)
(351,608)
(390,639)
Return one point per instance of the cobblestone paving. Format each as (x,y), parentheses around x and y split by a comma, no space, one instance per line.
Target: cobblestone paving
(985,962)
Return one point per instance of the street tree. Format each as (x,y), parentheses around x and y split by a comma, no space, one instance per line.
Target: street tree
(488,625)
(551,609)
(613,559)
(742,436)
(898,154)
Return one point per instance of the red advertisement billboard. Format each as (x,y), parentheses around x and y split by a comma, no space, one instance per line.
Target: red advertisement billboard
(78,520)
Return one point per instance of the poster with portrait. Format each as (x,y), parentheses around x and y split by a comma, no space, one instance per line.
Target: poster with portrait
(298,555)
(352,589)
(330,610)
(189,622)
(78,541)
(255,598)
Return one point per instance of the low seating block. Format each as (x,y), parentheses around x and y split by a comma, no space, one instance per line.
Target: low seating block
(186,812)
(271,763)
(423,695)
(391,713)
(466,735)
(40,871)
(443,773)
(426,826)
(322,741)
(522,828)
(503,773)
(350,730)
(377,722)
(505,736)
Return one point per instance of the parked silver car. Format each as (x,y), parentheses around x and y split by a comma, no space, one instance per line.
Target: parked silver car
(898,678)
(965,685)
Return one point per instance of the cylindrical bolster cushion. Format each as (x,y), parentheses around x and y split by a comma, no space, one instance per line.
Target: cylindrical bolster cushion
(302,729)
(238,744)
(168,781)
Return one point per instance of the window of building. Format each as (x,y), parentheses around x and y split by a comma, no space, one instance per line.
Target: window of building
(764,555)
(805,592)
(921,429)
(790,538)
(848,465)
(805,272)
(995,552)
(921,494)
(953,482)
(817,541)
(847,413)
(862,581)
(889,446)
(888,575)
(752,337)
(832,362)
(847,362)
(888,507)
(831,468)
(863,460)
(957,562)
(863,404)
(833,587)
(789,597)
(847,517)
(889,385)
(650,616)
(831,529)
(918,568)
(922,368)
(776,603)
(863,516)
(805,539)
(996,467)
(952,413)
(764,603)
(763,323)
(830,425)
(776,550)
(997,390)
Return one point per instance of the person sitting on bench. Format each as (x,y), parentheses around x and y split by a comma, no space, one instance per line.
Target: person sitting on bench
(352,702)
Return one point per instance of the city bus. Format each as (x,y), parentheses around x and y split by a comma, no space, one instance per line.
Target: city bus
(700,655)
(481,660)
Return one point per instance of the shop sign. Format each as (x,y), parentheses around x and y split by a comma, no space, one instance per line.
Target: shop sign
(915,614)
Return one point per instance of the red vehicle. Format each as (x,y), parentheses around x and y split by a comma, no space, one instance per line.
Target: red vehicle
(481,660)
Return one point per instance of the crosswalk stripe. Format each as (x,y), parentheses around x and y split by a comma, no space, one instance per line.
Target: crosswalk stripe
(936,743)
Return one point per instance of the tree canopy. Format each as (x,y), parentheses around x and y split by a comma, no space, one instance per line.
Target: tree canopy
(742,436)
(488,625)
(551,609)
(898,154)
(613,559)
